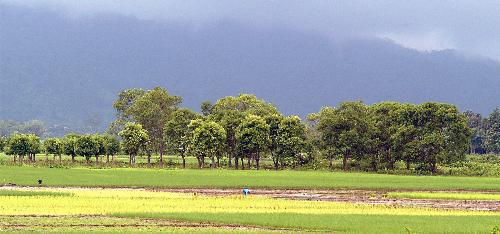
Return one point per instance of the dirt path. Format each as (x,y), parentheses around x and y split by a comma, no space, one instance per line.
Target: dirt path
(355,196)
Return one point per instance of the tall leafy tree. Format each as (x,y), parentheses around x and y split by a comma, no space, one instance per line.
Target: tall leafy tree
(153,110)
(274,124)
(492,141)
(177,132)
(230,112)
(291,142)
(253,138)
(208,139)
(134,139)
(344,130)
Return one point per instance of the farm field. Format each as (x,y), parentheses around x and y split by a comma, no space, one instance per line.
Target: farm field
(219,178)
(137,210)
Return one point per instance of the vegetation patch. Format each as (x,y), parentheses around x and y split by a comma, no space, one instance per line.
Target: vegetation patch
(186,178)
(445,195)
(256,213)
(25,193)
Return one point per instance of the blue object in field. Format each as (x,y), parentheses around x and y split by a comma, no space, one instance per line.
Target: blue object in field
(246,191)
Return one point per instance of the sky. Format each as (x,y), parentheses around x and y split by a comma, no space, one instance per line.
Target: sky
(469,26)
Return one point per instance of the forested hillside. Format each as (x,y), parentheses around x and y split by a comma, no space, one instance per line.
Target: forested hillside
(67,71)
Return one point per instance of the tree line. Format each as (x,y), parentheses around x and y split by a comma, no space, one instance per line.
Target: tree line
(240,131)
(486,132)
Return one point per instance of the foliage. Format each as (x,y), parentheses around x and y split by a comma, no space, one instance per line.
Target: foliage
(252,138)
(208,139)
(134,139)
(53,146)
(177,132)
(87,146)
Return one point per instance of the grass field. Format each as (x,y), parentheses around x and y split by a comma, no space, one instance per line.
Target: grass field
(444,195)
(252,211)
(191,178)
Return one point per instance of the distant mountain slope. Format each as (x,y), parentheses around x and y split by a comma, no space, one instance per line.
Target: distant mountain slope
(69,71)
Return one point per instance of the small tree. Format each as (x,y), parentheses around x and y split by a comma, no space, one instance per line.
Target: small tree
(101,146)
(18,145)
(111,147)
(69,145)
(208,139)
(134,139)
(87,146)
(53,146)
(177,131)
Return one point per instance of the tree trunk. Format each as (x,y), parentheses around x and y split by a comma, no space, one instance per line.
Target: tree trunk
(161,155)
(408,164)
(107,158)
(46,157)
(60,159)
(183,161)
(149,159)
(331,163)
(212,164)
(257,159)
(242,163)
(344,162)
(15,157)
(97,160)
(236,163)
(218,162)
(130,160)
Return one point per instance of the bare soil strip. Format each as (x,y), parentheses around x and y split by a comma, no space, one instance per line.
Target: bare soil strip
(355,196)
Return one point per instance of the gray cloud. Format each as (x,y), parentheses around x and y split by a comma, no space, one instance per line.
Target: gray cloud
(469,26)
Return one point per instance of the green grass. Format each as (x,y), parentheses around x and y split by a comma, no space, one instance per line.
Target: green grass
(194,178)
(21,193)
(133,206)
(443,195)
(344,223)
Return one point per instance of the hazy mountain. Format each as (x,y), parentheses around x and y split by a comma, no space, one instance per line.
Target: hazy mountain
(64,70)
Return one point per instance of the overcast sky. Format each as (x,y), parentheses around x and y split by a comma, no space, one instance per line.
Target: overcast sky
(471,26)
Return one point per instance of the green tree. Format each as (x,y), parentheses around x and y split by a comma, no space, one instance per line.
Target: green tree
(53,146)
(208,140)
(291,142)
(111,147)
(230,112)
(274,123)
(3,143)
(19,146)
(69,145)
(134,138)
(206,108)
(177,132)
(345,130)
(385,122)
(253,138)
(153,110)
(492,141)
(87,146)
(101,143)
